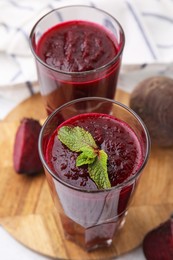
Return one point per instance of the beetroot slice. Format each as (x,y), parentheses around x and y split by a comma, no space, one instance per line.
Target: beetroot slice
(158,243)
(25,154)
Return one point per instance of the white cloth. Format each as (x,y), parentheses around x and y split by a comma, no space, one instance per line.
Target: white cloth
(148,27)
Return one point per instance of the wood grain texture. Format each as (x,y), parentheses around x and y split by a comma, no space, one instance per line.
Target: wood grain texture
(28,214)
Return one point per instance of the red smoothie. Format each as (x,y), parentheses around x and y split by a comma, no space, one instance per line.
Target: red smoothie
(106,211)
(111,135)
(75,57)
(76,46)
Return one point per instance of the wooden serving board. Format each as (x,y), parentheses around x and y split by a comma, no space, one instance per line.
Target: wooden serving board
(28,214)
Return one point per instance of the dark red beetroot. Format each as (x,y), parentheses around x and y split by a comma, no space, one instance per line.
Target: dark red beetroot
(158,243)
(25,154)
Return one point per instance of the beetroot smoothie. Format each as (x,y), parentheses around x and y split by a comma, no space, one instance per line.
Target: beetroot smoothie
(76,46)
(98,224)
(77,59)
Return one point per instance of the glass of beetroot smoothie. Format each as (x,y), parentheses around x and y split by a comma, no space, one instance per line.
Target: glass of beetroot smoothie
(78,51)
(92,199)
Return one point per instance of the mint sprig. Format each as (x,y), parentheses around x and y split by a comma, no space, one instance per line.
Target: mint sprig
(98,171)
(79,140)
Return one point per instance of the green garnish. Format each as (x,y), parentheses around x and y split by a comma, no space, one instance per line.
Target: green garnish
(79,140)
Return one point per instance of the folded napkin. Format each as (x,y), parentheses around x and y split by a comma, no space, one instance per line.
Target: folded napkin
(148,27)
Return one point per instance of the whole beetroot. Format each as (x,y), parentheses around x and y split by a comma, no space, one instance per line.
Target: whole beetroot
(152,100)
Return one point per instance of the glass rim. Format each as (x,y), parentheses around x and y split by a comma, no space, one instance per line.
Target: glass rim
(81,72)
(117,187)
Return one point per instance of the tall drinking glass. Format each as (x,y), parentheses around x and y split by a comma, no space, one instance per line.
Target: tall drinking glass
(92,217)
(78,51)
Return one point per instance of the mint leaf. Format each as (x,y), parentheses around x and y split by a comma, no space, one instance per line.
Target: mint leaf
(87,156)
(78,139)
(98,171)
(75,138)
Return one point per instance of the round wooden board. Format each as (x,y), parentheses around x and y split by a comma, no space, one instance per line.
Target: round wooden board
(27,211)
